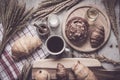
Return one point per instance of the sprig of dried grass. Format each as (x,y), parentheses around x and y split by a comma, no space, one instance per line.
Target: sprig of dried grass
(14,17)
(110,9)
(52,6)
(101,58)
(26,73)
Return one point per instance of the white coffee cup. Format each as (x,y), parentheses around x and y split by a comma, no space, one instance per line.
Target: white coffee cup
(55,45)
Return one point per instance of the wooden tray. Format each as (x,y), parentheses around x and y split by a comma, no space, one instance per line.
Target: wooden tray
(51,64)
(80,11)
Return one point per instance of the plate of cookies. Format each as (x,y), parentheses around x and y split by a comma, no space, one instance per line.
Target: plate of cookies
(86,28)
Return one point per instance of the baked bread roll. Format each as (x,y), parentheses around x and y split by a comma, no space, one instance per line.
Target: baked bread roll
(62,73)
(82,72)
(25,46)
(42,75)
(97,37)
(77,30)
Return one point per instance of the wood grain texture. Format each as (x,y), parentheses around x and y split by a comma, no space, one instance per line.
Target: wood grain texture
(67,62)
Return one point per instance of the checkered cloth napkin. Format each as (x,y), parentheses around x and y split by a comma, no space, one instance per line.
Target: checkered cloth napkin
(9,69)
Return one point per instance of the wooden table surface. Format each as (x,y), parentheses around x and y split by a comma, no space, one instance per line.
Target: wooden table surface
(110,50)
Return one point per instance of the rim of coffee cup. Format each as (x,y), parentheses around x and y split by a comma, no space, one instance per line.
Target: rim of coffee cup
(55,53)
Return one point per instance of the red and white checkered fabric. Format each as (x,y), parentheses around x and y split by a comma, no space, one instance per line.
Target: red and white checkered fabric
(9,69)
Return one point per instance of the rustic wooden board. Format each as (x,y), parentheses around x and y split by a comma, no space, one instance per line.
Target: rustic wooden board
(51,64)
(80,11)
(67,62)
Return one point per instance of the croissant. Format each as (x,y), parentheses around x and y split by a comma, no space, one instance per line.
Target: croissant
(97,37)
(82,72)
(25,46)
(62,73)
(42,75)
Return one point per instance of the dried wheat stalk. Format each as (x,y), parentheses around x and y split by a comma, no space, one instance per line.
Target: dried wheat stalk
(14,17)
(52,6)
(101,58)
(26,73)
(110,9)
(49,3)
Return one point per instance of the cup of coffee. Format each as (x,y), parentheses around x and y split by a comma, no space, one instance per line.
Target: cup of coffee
(55,45)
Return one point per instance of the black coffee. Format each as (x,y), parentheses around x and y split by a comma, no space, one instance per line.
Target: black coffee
(55,44)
